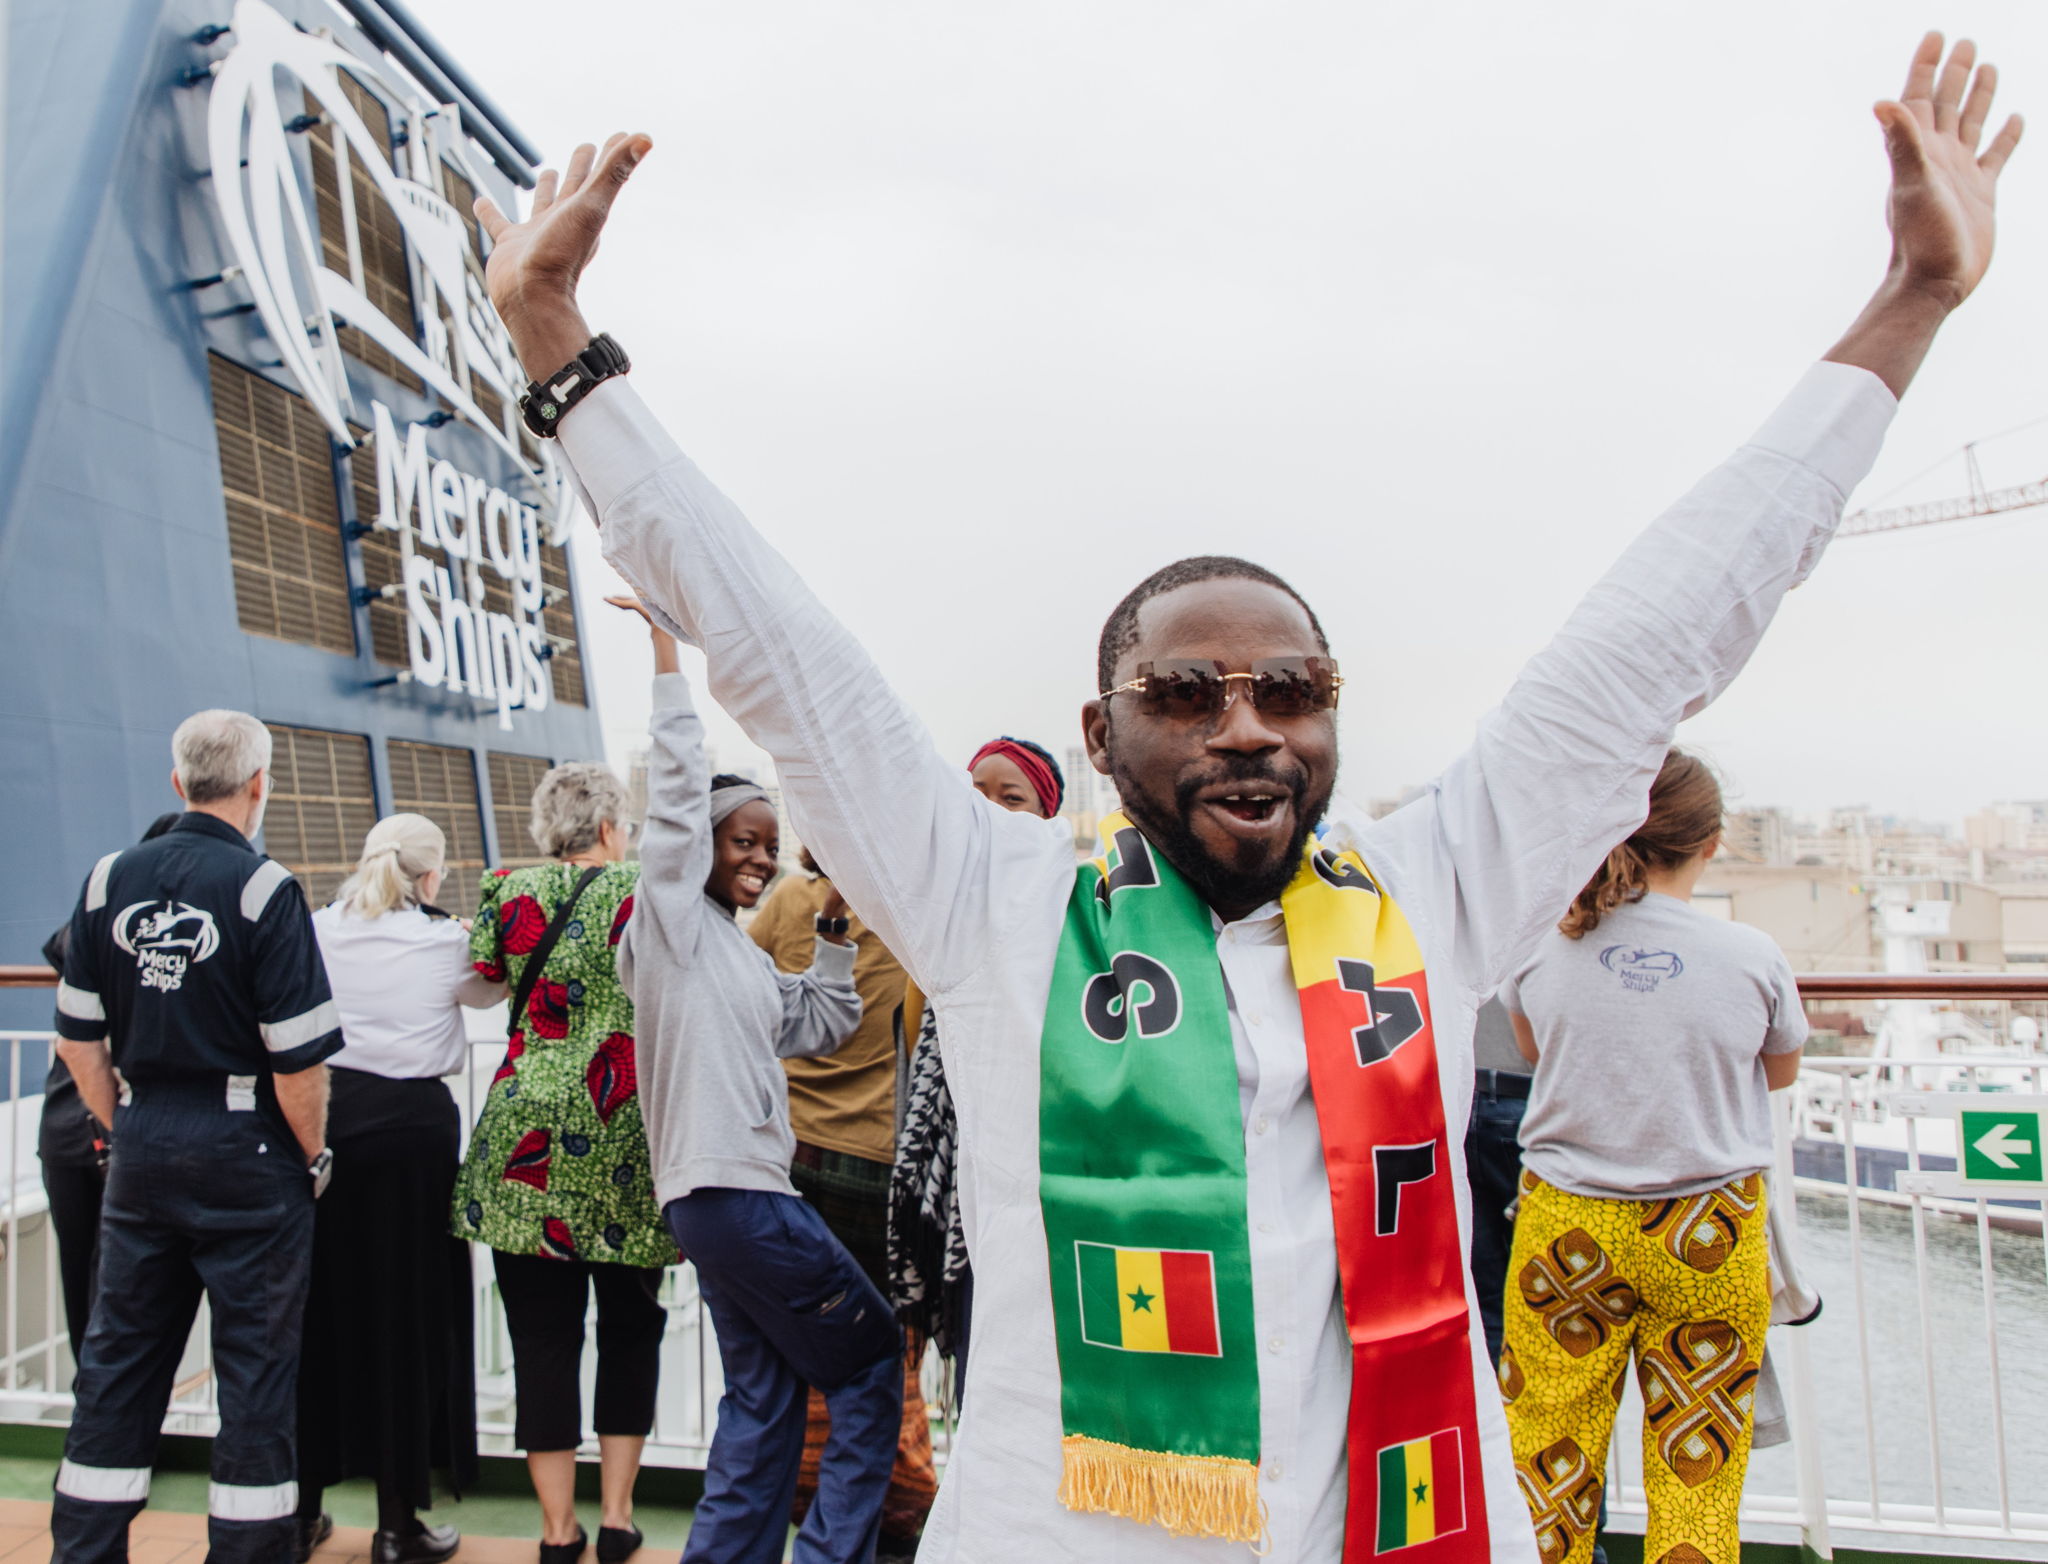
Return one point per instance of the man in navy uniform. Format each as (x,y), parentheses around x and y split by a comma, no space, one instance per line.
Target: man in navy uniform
(194,954)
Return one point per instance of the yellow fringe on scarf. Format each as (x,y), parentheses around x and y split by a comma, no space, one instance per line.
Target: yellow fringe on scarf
(1190,1495)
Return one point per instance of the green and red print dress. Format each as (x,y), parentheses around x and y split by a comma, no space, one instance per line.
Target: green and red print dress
(557,1164)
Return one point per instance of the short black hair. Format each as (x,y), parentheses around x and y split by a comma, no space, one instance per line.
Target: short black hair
(1120,630)
(726,779)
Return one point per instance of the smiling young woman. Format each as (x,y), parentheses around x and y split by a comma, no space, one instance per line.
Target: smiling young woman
(791,1307)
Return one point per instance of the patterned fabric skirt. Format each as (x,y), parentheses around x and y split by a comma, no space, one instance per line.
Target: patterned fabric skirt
(852,1195)
(1681,1285)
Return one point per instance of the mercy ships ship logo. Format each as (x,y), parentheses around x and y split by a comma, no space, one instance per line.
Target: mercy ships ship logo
(302,300)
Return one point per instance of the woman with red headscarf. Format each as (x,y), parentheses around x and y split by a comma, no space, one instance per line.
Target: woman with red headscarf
(930,1282)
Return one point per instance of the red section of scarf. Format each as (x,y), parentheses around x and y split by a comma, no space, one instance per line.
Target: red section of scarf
(1412,1364)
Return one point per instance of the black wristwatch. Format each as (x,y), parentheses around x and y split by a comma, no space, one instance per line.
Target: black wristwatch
(833,926)
(544,403)
(320,1170)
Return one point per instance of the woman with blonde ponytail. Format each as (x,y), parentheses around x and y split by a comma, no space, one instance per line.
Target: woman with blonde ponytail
(386,1380)
(1658,1033)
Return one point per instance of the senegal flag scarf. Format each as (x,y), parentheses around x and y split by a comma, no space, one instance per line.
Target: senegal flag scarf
(1142,1181)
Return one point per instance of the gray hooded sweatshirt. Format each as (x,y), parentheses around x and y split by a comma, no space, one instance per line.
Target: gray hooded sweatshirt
(712,1016)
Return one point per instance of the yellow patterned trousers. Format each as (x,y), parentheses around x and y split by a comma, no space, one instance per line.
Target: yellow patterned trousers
(1683,1286)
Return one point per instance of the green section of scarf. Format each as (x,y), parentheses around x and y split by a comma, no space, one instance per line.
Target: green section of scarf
(1142,1184)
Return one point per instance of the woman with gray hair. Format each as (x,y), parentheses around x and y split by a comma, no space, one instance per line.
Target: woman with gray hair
(387,1386)
(556,1181)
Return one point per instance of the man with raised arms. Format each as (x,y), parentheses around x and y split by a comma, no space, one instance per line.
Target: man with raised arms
(1209,1085)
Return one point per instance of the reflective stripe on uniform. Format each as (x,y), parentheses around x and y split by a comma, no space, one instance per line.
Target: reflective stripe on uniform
(81,1004)
(283,1036)
(96,884)
(233,1502)
(263,884)
(103,1484)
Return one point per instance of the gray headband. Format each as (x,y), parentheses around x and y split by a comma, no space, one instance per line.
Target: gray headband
(725,800)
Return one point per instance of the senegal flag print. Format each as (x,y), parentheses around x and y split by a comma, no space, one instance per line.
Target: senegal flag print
(1148,1300)
(1422,1492)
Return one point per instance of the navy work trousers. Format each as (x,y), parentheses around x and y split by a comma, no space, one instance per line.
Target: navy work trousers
(199,1198)
(792,1309)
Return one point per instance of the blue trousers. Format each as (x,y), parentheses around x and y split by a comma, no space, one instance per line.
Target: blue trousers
(792,1309)
(1493,1164)
(199,1199)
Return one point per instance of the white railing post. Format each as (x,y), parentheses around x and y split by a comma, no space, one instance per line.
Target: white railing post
(1798,1379)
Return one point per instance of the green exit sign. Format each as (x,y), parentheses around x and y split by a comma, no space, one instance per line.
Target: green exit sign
(2001,1146)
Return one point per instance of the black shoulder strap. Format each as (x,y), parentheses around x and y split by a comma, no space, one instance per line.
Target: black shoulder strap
(536,962)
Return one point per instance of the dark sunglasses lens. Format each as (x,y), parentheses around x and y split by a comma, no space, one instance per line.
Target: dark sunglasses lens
(1291,687)
(1184,689)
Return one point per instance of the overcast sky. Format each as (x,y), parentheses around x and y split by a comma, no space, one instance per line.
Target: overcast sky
(982,311)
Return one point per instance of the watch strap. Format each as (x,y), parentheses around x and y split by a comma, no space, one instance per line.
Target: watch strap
(546,402)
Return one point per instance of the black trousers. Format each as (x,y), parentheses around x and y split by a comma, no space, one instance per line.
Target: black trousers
(75,1194)
(545,1304)
(199,1199)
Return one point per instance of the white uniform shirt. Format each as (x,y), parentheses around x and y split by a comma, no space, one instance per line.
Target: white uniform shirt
(400,983)
(971,898)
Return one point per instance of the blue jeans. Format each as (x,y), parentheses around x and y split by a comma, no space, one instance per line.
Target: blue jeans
(792,1309)
(199,1199)
(1493,1164)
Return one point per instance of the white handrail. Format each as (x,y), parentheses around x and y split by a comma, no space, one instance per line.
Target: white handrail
(37,1360)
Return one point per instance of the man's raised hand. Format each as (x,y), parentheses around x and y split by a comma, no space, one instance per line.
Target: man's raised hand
(535,264)
(1943,190)
(1943,196)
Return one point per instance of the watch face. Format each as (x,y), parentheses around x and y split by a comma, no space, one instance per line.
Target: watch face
(547,410)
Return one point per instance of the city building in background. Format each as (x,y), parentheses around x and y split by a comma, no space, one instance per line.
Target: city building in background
(258,442)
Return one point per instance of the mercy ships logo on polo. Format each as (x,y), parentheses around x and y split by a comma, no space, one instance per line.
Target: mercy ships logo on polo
(166,938)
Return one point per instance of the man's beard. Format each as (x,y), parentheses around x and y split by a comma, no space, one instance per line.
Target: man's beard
(1252,879)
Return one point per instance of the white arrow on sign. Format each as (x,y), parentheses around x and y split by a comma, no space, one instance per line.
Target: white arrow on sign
(1997,1144)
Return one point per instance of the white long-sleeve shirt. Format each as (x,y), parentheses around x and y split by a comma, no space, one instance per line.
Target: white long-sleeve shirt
(971,899)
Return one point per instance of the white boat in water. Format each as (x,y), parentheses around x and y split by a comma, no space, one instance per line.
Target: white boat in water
(1844,1106)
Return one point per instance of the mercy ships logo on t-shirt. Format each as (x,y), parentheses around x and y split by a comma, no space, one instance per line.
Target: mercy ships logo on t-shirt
(1641,968)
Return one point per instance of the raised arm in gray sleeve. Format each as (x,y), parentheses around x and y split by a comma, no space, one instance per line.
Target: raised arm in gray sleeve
(820,1007)
(675,845)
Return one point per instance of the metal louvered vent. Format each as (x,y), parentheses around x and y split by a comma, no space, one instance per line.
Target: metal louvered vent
(284,534)
(321,806)
(385,277)
(383,563)
(461,195)
(513,779)
(558,620)
(440,782)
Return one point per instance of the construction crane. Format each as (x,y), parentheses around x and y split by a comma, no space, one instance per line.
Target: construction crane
(1980,501)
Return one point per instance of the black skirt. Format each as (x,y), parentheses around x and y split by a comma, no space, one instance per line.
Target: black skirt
(387,1378)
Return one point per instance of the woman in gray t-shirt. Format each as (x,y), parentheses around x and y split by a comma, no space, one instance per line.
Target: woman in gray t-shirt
(1657,1033)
